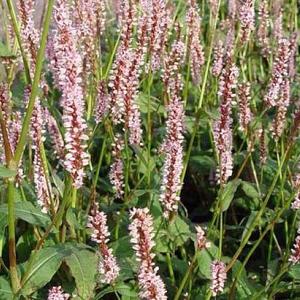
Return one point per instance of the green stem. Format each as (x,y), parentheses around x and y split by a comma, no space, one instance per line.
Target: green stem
(259,214)
(186,277)
(18,36)
(203,88)
(35,86)
(15,282)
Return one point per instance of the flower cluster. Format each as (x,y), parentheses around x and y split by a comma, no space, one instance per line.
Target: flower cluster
(218,56)
(102,102)
(172,63)
(247,19)
(89,20)
(159,24)
(222,127)
(279,72)
(218,277)
(296,184)
(29,34)
(295,252)
(68,69)
(201,241)
(293,52)
(57,293)
(172,148)
(56,137)
(128,19)
(141,232)
(245,114)
(108,267)
(282,105)
(196,50)
(263,28)
(262,147)
(278,15)
(116,174)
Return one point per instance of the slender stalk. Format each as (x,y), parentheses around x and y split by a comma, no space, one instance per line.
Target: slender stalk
(186,277)
(200,102)
(15,282)
(18,36)
(259,214)
(35,85)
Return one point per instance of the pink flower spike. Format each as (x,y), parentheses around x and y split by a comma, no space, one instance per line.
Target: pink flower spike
(295,252)
(141,232)
(57,293)
(218,277)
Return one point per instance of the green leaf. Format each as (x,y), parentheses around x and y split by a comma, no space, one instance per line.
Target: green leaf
(179,231)
(45,264)
(126,290)
(4,172)
(244,287)
(27,212)
(250,190)
(227,194)
(205,258)
(295,272)
(5,289)
(203,163)
(5,52)
(83,266)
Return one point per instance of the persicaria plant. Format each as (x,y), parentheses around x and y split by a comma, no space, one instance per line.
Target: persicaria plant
(149,149)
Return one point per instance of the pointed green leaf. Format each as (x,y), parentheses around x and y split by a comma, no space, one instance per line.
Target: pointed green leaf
(83,266)
(27,212)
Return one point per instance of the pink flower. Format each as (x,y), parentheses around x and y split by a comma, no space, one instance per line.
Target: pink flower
(196,50)
(172,64)
(57,293)
(218,277)
(68,70)
(159,21)
(108,267)
(282,106)
(172,148)
(218,56)
(55,136)
(201,240)
(247,19)
(222,127)
(89,22)
(29,33)
(295,252)
(263,27)
(116,174)
(245,115)
(141,232)
(262,147)
(102,103)
(296,184)
(279,72)
(128,18)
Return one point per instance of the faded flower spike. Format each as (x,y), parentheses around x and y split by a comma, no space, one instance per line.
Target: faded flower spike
(141,232)
(218,277)
(196,50)
(201,240)
(108,267)
(245,115)
(116,174)
(57,293)
(295,252)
